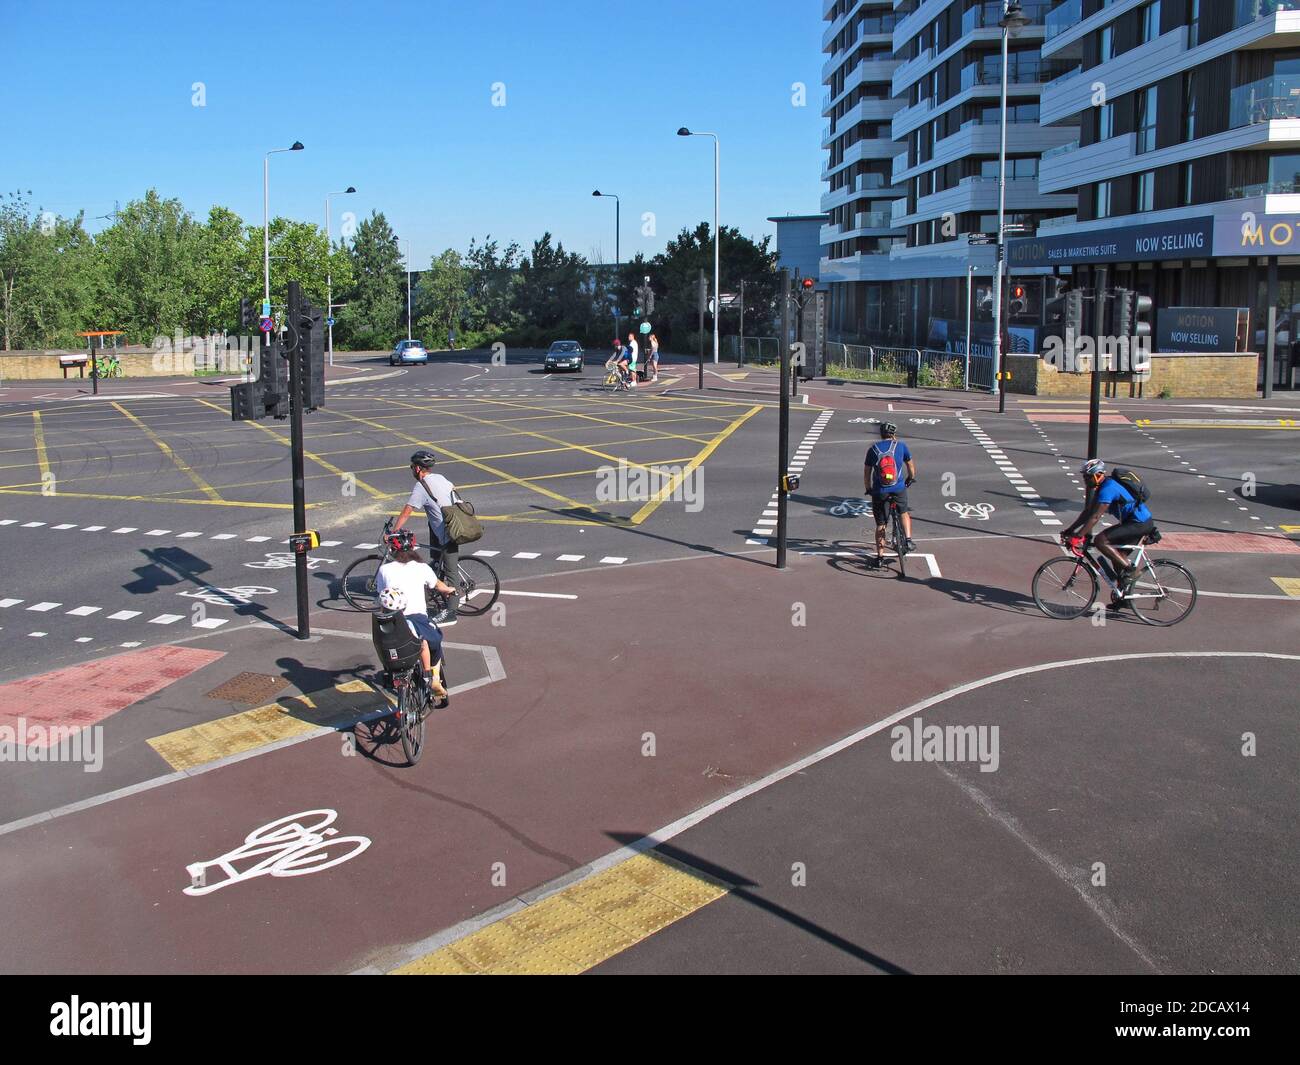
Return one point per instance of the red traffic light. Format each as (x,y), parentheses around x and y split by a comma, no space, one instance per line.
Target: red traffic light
(1018,291)
(808,282)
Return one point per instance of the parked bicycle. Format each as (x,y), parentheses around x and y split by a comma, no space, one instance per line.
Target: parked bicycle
(477,583)
(1163,592)
(106,366)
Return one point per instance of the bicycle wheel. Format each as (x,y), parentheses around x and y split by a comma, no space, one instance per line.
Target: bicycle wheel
(359,583)
(1064,588)
(411,705)
(899,544)
(478,585)
(1163,594)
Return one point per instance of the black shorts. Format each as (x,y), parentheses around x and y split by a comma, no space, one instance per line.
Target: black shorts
(880,504)
(1128,532)
(427,631)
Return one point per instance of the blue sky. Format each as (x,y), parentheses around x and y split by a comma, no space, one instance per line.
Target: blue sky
(396,99)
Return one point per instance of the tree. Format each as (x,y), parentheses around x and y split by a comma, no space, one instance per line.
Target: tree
(375,301)
(443,296)
(225,272)
(150,256)
(491,291)
(48,283)
(552,289)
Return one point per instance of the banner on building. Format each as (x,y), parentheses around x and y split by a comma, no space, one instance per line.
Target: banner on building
(1213,329)
(1183,238)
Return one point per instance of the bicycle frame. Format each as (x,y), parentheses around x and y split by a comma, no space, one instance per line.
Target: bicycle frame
(1137,554)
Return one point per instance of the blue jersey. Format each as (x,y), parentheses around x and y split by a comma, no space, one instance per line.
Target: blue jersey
(1121,504)
(901,456)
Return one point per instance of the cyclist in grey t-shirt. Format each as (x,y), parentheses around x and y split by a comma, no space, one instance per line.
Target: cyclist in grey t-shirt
(432,492)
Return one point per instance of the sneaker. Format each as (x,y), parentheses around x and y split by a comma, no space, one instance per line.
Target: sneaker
(911,544)
(444,618)
(1127,579)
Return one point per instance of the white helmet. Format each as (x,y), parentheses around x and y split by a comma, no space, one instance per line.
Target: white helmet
(393,600)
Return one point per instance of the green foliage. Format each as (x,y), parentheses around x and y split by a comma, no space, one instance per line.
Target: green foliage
(375,313)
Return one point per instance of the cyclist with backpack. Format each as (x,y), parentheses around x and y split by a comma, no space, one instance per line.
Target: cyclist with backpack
(1123,494)
(883,479)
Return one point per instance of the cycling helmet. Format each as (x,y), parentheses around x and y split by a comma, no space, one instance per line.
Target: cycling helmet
(424,459)
(393,600)
(402,540)
(1092,466)
(888,429)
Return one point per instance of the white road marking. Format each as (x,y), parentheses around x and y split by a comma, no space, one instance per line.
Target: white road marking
(187,535)
(613,560)
(126,529)
(124,615)
(210,623)
(157,532)
(258,539)
(64,526)
(166,619)
(224,536)
(32,524)
(84,611)
(569,558)
(9,602)
(523,554)
(42,607)
(538,595)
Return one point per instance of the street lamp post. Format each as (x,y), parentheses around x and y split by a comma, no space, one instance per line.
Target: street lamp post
(717,233)
(618,259)
(329,273)
(408,290)
(1013,18)
(266,217)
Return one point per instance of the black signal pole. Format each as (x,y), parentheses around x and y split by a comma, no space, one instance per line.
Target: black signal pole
(783,443)
(303,343)
(1099,331)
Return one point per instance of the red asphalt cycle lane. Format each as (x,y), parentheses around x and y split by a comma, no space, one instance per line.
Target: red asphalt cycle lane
(533,776)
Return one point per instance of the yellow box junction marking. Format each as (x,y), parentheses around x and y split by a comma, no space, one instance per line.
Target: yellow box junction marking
(1290,528)
(248,730)
(374,493)
(1289,585)
(184,467)
(581,926)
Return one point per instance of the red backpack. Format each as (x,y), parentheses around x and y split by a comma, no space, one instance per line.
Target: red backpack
(886,467)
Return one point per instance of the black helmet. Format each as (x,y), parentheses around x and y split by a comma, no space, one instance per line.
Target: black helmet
(888,429)
(424,459)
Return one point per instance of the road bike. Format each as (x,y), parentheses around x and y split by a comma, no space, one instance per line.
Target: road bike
(897,537)
(1163,592)
(476,582)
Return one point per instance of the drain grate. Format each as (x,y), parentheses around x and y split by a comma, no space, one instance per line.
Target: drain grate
(249,688)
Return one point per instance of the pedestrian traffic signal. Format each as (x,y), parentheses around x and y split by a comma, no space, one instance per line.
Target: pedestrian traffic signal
(1017,301)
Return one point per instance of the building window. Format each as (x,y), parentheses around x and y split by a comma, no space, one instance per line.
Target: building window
(1101,200)
(1188,185)
(1146,120)
(1189,106)
(1194,24)
(1284,173)
(1106,44)
(1151,22)
(1144,192)
(1105,122)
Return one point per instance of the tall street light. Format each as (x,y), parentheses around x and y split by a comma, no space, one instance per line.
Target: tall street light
(408,290)
(1013,18)
(618,259)
(329,278)
(266,217)
(717,234)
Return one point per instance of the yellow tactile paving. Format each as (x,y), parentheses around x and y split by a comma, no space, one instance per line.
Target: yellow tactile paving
(579,927)
(199,745)
(1290,585)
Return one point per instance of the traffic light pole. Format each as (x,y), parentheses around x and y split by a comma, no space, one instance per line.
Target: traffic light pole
(783,439)
(296,456)
(1099,330)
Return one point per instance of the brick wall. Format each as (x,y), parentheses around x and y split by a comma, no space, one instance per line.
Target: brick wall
(1229,376)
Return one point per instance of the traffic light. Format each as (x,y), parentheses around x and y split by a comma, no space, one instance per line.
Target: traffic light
(1073,318)
(1017,301)
(246,402)
(307,335)
(246,319)
(273,379)
(1054,305)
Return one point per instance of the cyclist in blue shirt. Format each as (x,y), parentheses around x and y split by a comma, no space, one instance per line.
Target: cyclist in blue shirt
(883,478)
(1135,520)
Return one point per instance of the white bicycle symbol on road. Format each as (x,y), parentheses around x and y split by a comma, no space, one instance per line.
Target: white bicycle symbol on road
(240,596)
(292,846)
(851,508)
(286,560)
(979,511)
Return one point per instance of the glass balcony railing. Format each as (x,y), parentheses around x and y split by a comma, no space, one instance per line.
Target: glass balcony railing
(989,72)
(1062,17)
(988,15)
(874,220)
(1061,149)
(1265,188)
(1249,11)
(1266,100)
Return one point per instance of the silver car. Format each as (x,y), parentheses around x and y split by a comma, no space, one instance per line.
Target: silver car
(409,352)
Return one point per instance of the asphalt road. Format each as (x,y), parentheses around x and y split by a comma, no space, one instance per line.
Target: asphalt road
(142,533)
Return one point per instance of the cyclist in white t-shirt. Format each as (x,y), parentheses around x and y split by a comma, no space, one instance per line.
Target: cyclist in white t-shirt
(408,575)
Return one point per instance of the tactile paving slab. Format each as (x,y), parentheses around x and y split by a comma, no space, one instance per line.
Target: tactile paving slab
(251,688)
(83,695)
